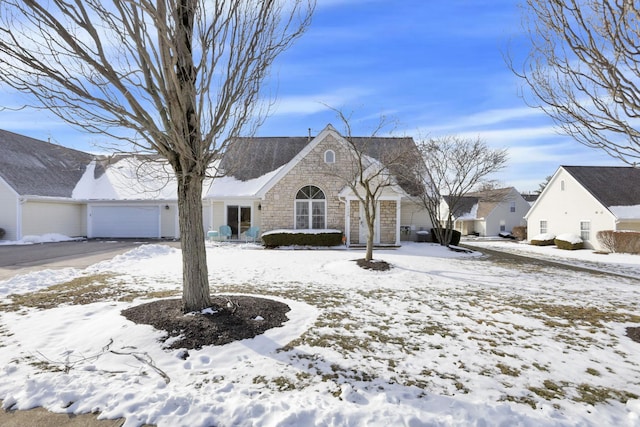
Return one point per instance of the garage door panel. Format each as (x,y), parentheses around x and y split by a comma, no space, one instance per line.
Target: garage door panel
(125,221)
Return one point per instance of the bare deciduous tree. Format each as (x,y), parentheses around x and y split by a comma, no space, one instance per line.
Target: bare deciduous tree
(179,78)
(369,171)
(583,70)
(452,168)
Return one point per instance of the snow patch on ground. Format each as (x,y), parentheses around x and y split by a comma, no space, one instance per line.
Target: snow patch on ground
(442,339)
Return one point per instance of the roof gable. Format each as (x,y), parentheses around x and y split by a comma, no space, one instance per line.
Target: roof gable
(610,185)
(37,168)
(253,158)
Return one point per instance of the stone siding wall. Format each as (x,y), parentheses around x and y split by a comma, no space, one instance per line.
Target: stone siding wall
(278,208)
(388,221)
(354,222)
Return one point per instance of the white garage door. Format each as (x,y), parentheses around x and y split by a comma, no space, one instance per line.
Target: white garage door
(125,221)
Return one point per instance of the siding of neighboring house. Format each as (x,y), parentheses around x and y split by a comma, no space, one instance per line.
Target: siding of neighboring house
(490,212)
(50,216)
(8,211)
(628,225)
(564,204)
(278,206)
(415,217)
(502,217)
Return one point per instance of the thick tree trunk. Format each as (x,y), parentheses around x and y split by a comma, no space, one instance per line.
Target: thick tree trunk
(195,275)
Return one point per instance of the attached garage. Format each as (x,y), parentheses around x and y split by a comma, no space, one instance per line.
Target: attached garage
(133,221)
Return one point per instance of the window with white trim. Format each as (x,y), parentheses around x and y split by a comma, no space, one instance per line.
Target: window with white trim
(311,208)
(329,156)
(512,207)
(543,226)
(585,230)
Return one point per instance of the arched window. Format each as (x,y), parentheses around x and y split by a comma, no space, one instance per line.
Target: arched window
(311,208)
(329,156)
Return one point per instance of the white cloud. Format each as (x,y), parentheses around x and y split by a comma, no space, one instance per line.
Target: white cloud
(315,103)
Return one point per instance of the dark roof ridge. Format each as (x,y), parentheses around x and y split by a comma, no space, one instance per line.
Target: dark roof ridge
(610,185)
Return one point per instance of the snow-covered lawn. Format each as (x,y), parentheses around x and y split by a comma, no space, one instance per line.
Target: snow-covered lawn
(443,339)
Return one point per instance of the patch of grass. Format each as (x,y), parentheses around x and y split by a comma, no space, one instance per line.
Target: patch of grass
(550,390)
(561,315)
(278,383)
(592,395)
(594,372)
(540,367)
(526,400)
(80,291)
(508,370)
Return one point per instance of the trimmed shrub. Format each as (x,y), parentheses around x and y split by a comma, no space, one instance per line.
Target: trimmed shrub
(519,232)
(607,240)
(455,236)
(568,242)
(620,241)
(2,233)
(543,240)
(293,238)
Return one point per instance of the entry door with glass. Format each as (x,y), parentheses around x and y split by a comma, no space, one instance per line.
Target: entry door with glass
(239,219)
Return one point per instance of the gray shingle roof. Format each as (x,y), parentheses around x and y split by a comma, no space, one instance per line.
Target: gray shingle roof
(611,185)
(251,157)
(38,168)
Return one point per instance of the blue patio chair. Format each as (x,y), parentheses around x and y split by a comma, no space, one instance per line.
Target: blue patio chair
(224,232)
(252,233)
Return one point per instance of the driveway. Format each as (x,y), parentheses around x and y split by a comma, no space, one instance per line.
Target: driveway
(21,259)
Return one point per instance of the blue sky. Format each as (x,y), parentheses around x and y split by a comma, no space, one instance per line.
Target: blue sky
(433,67)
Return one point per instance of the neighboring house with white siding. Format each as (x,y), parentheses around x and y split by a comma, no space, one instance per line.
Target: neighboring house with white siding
(583,200)
(489,212)
(36,185)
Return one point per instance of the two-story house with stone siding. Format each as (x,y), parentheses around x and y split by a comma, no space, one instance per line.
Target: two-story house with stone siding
(294,183)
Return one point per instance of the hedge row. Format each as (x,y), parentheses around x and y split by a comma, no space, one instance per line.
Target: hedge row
(327,238)
(627,242)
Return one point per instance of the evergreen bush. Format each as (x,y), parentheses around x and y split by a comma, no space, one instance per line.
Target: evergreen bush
(568,242)
(455,236)
(293,238)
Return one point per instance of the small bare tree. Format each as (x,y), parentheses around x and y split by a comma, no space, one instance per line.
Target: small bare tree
(583,70)
(179,78)
(369,170)
(452,168)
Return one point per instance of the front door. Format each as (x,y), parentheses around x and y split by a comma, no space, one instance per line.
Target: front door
(239,219)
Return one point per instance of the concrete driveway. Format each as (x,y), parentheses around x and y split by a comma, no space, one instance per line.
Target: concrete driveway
(21,259)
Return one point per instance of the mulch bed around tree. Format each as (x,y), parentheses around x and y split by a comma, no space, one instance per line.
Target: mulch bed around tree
(233,318)
(634,333)
(374,264)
